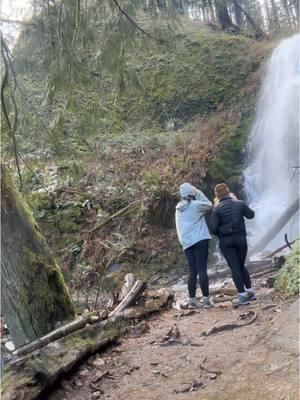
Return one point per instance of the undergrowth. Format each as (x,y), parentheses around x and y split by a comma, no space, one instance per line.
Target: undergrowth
(287,279)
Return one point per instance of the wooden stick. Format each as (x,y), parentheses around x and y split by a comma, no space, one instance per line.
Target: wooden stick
(129,207)
(54,335)
(279,249)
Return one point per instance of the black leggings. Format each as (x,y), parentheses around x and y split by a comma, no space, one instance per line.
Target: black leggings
(197,259)
(234,249)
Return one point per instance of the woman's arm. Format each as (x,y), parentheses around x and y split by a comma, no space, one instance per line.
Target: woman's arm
(204,204)
(215,221)
(248,212)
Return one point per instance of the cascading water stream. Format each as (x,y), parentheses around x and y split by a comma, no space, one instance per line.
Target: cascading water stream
(272,174)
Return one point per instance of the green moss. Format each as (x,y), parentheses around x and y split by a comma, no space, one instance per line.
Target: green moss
(288,278)
(45,282)
(9,378)
(228,163)
(8,188)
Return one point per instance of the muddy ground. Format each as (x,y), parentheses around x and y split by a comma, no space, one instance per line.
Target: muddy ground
(257,361)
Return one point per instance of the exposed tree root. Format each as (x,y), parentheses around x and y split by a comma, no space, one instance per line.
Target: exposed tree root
(243,317)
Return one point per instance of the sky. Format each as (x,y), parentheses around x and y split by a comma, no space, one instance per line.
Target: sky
(15,10)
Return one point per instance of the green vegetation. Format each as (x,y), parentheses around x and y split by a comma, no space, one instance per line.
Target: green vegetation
(95,146)
(288,278)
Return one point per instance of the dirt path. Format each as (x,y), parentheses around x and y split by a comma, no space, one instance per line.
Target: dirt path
(258,361)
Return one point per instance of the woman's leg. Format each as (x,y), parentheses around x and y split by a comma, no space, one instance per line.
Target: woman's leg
(242,249)
(201,254)
(231,256)
(192,280)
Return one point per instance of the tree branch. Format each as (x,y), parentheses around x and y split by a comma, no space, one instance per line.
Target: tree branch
(132,21)
(12,127)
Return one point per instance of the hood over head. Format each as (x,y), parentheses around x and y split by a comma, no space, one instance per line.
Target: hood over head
(186,189)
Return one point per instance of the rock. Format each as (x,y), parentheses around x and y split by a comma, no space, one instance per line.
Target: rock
(270,282)
(182,388)
(212,375)
(141,328)
(98,362)
(84,372)
(224,305)
(78,382)
(278,262)
(96,395)
(156,371)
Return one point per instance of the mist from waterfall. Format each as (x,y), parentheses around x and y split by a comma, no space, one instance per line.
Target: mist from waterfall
(272,176)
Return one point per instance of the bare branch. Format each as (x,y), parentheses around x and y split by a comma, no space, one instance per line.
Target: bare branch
(132,21)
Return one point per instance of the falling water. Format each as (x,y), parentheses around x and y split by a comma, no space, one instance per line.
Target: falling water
(272,176)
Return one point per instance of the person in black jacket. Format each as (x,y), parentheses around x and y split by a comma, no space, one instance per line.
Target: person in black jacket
(227,222)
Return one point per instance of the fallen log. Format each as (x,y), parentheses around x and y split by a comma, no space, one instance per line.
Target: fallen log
(130,298)
(64,330)
(54,335)
(253,267)
(221,271)
(270,255)
(128,284)
(30,376)
(275,228)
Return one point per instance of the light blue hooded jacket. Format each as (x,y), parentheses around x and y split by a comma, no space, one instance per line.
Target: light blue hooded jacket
(190,222)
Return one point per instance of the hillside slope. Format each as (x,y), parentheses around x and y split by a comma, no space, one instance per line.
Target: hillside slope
(183,113)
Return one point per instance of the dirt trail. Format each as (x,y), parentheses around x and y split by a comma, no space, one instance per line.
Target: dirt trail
(258,361)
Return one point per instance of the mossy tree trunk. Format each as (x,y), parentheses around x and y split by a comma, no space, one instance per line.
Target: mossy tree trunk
(33,296)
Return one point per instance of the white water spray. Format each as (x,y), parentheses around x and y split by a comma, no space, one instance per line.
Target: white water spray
(272,175)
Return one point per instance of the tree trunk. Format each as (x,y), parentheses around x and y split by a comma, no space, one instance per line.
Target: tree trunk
(275,14)
(223,16)
(260,34)
(33,296)
(287,11)
(238,15)
(268,15)
(275,228)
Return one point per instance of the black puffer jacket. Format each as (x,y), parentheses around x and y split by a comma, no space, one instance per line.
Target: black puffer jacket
(228,217)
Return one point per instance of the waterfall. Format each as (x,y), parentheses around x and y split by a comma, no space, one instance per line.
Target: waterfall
(272,177)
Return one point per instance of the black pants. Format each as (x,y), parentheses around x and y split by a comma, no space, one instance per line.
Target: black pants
(197,259)
(234,249)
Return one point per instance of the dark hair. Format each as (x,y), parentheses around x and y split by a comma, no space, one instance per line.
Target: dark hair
(190,197)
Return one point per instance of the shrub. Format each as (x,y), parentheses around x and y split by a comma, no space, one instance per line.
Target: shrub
(287,279)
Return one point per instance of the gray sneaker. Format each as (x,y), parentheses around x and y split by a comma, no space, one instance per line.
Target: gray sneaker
(193,303)
(241,301)
(207,303)
(251,296)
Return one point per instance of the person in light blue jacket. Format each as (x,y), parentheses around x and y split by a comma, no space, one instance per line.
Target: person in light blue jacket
(193,235)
